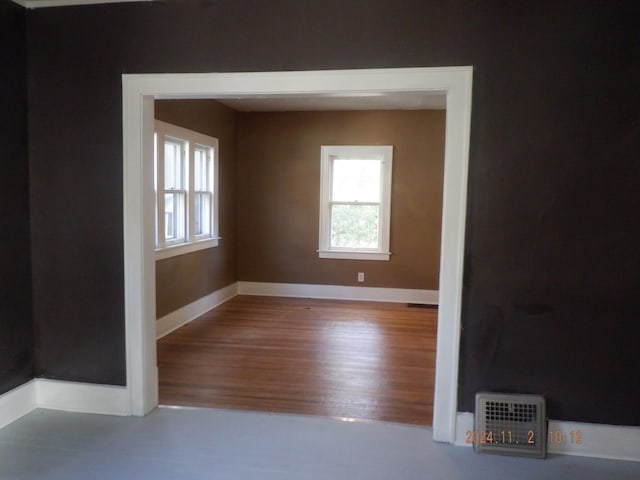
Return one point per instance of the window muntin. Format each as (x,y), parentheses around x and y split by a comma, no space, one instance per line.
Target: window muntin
(355,202)
(185,168)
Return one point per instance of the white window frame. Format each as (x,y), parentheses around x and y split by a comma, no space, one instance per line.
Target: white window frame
(190,141)
(366,152)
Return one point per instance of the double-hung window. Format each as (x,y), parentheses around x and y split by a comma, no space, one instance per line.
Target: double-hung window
(185,165)
(355,202)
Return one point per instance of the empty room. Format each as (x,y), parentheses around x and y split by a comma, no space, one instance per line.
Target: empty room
(251,210)
(270,166)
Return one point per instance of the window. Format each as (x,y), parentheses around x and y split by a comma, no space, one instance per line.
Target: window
(355,202)
(185,165)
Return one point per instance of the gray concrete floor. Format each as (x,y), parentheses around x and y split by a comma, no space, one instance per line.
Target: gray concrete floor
(220,444)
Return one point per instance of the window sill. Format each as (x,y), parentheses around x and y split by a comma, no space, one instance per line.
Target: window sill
(181,249)
(350,255)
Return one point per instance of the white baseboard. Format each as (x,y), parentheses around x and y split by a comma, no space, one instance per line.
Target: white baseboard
(186,314)
(67,396)
(339,292)
(193,310)
(82,397)
(17,403)
(464,423)
(601,441)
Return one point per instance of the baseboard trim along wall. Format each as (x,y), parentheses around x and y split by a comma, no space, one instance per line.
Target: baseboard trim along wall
(193,310)
(339,292)
(113,400)
(17,403)
(82,397)
(67,396)
(602,441)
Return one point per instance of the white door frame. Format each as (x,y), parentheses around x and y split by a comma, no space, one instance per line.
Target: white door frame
(139,93)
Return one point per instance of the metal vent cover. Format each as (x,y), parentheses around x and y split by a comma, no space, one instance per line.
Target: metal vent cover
(510,424)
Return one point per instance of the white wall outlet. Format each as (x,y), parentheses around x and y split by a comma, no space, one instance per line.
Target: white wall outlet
(361,276)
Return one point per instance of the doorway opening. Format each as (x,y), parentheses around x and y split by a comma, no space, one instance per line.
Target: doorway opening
(372,361)
(139,93)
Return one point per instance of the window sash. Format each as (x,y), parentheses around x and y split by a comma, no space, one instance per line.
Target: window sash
(202,168)
(202,213)
(361,189)
(175,219)
(365,183)
(176,166)
(328,246)
(193,164)
(344,234)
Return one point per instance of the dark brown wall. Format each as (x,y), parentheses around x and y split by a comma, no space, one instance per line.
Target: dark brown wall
(279,191)
(16,321)
(552,263)
(183,279)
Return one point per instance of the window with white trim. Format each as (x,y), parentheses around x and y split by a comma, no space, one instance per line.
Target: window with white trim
(355,202)
(186,175)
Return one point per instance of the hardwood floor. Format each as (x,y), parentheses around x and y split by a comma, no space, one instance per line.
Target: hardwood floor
(364,360)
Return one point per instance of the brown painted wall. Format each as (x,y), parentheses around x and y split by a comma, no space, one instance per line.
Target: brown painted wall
(279,189)
(183,279)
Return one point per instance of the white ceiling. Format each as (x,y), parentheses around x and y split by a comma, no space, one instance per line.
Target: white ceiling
(368,101)
(63,3)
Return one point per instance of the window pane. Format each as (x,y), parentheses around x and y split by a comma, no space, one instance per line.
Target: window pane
(173,166)
(354,226)
(202,213)
(174,218)
(200,169)
(356,180)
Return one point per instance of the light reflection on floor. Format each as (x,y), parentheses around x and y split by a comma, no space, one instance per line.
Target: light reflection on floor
(365,341)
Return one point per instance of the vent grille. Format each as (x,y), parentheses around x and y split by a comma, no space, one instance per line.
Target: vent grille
(510,424)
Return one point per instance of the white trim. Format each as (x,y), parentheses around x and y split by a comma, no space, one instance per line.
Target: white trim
(329,153)
(190,141)
(351,255)
(82,397)
(139,240)
(614,442)
(175,250)
(603,441)
(464,423)
(65,3)
(193,310)
(454,211)
(139,92)
(339,292)
(17,403)
(67,396)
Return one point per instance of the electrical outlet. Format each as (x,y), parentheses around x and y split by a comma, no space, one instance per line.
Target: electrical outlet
(361,276)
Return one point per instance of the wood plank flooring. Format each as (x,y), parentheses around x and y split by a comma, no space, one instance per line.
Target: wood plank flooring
(363,360)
